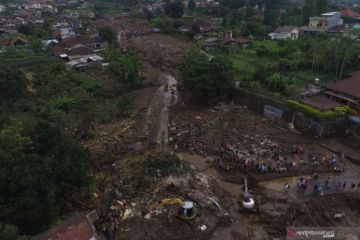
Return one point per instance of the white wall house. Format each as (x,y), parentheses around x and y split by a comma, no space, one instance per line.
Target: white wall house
(284,32)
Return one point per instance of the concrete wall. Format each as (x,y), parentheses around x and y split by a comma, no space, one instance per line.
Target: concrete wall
(256,102)
(333,20)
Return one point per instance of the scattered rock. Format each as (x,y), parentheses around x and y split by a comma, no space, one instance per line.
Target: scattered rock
(338,216)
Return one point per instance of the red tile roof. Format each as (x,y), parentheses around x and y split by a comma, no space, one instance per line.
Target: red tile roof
(348,86)
(76,228)
(85,40)
(350,13)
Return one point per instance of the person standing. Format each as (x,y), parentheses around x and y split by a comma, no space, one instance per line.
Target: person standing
(286,188)
(353,185)
(338,186)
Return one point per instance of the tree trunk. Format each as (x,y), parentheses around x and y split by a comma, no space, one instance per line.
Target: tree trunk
(342,69)
(336,67)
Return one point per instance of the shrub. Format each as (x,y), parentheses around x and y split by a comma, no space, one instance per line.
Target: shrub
(317,114)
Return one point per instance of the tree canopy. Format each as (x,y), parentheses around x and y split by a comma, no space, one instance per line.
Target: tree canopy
(108,34)
(39,164)
(174,9)
(204,78)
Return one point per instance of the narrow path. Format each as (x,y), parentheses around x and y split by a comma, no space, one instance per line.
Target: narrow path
(157,117)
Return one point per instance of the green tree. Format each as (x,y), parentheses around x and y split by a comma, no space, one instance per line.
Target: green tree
(271,15)
(192,5)
(308,10)
(204,78)
(108,34)
(126,69)
(39,167)
(38,47)
(10,232)
(321,6)
(12,82)
(174,9)
(27,29)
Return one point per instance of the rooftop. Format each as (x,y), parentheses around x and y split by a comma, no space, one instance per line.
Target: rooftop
(76,228)
(320,102)
(329,14)
(349,86)
(211,40)
(284,29)
(350,13)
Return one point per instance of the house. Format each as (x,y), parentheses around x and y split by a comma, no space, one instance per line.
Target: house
(79,227)
(66,32)
(15,41)
(226,38)
(86,62)
(327,22)
(77,51)
(346,91)
(91,41)
(50,42)
(350,14)
(205,26)
(284,32)
(62,30)
(210,43)
(332,19)
(79,45)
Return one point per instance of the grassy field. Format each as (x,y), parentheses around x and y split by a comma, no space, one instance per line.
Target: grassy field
(254,65)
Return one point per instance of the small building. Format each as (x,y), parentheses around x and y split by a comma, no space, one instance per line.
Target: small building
(87,44)
(210,43)
(327,22)
(346,91)
(333,19)
(226,38)
(284,32)
(79,227)
(238,41)
(206,26)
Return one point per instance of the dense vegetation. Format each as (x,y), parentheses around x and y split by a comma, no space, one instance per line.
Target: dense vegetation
(40,163)
(45,109)
(286,67)
(206,78)
(317,114)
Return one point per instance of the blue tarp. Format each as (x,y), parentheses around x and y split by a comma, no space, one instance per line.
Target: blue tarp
(354,119)
(272,112)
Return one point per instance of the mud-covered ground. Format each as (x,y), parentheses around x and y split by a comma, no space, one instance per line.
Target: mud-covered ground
(170,148)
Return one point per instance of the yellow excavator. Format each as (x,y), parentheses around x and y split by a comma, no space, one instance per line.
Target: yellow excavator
(187,209)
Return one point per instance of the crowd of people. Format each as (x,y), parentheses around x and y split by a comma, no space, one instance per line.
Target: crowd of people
(330,184)
(261,155)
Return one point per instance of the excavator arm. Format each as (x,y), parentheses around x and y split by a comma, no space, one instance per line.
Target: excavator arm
(166,201)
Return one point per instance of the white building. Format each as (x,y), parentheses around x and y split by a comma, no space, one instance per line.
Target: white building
(284,32)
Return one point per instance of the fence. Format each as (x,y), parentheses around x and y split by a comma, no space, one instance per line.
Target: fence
(278,110)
